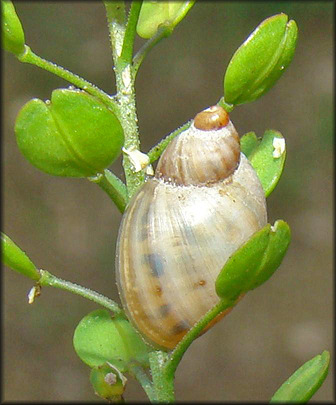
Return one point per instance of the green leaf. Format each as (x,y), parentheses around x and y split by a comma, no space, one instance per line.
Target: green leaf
(13,39)
(279,240)
(107,382)
(155,13)
(249,143)
(241,267)
(99,338)
(74,135)
(303,384)
(16,259)
(260,61)
(268,160)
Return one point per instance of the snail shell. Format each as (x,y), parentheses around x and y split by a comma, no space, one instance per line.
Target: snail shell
(180,228)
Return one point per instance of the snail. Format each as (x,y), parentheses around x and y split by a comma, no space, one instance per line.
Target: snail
(180,228)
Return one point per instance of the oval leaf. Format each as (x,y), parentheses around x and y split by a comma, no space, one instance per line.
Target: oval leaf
(13,39)
(242,266)
(303,384)
(279,240)
(155,13)
(268,159)
(99,338)
(16,259)
(74,135)
(260,60)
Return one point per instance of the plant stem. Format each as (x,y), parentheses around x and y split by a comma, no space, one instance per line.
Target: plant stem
(30,57)
(115,11)
(113,186)
(127,48)
(50,280)
(139,373)
(157,150)
(183,345)
(163,32)
(116,19)
(162,381)
(227,107)
(122,39)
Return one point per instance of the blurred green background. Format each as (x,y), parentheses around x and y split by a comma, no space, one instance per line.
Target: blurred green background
(69,226)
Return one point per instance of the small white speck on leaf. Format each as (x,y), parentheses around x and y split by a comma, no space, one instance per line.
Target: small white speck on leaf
(279,146)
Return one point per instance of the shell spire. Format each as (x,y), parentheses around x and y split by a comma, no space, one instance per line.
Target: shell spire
(206,153)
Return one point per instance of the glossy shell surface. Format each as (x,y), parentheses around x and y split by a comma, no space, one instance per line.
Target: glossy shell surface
(174,240)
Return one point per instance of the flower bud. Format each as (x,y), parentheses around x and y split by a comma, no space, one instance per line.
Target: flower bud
(156,13)
(13,39)
(254,262)
(16,259)
(260,60)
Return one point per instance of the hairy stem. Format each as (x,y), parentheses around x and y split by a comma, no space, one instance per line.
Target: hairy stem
(50,280)
(113,187)
(139,373)
(127,48)
(30,57)
(193,333)
(122,39)
(163,32)
(162,381)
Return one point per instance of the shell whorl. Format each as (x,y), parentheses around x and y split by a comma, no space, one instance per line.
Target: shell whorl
(206,153)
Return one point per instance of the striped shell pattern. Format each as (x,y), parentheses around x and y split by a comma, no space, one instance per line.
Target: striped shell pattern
(180,228)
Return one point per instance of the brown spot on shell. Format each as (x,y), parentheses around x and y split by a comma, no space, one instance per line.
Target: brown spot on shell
(164,310)
(180,327)
(212,118)
(158,291)
(199,283)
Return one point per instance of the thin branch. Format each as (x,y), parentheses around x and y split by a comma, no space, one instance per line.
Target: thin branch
(30,57)
(183,345)
(50,280)
(127,48)
(139,373)
(162,32)
(113,187)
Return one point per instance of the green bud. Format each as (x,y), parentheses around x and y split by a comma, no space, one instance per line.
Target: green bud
(101,338)
(279,239)
(254,262)
(156,13)
(303,384)
(74,135)
(13,39)
(239,270)
(16,259)
(107,382)
(260,60)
